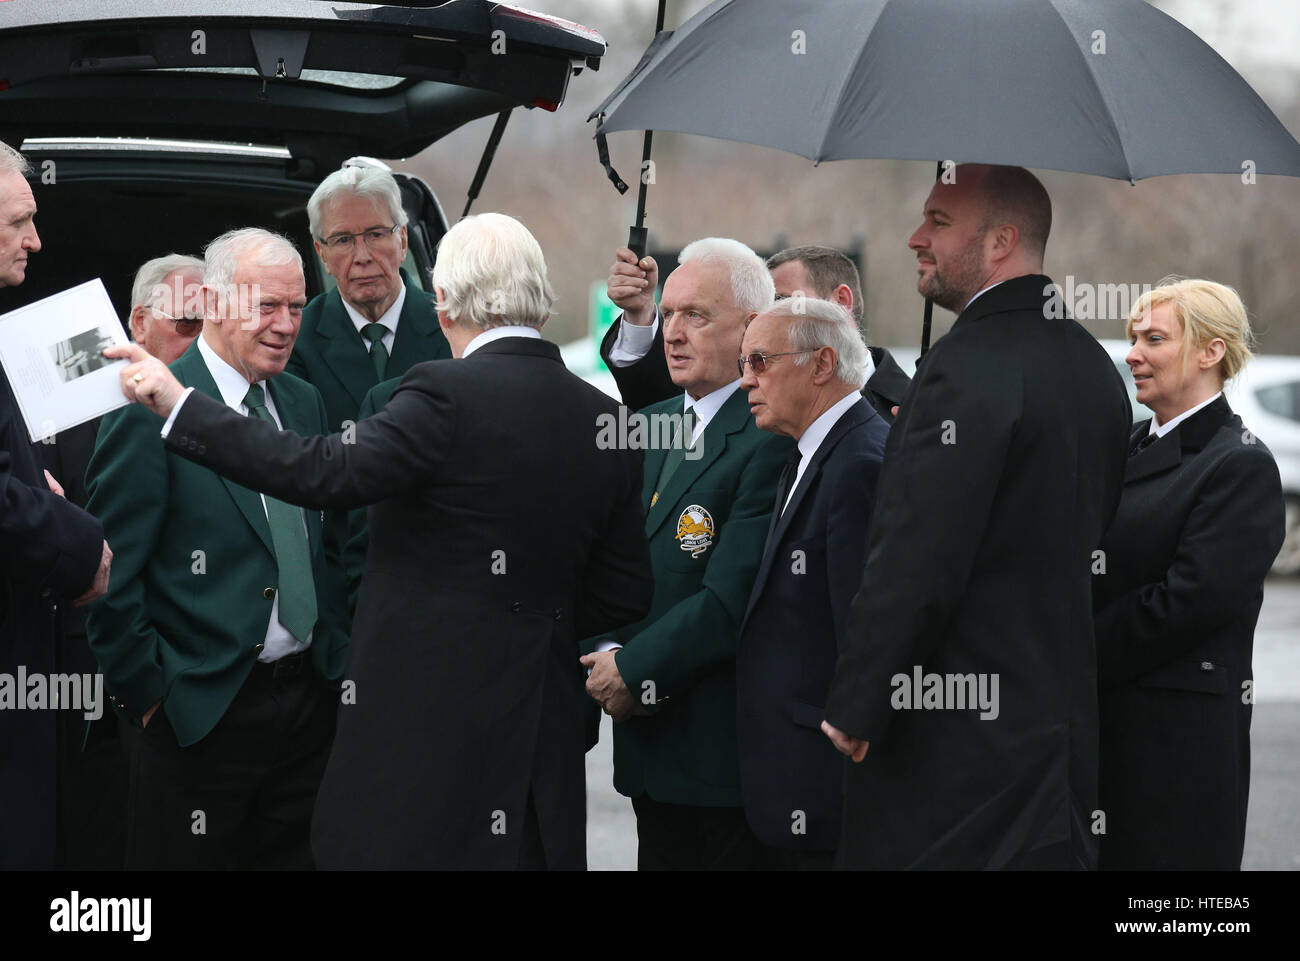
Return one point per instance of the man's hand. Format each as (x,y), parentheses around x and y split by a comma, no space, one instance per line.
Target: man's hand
(54,485)
(147,380)
(144,721)
(632,287)
(99,586)
(606,686)
(894,409)
(847,744)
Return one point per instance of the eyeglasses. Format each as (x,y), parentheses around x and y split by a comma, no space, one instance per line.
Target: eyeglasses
(185,326)
(374,237)
(757,361)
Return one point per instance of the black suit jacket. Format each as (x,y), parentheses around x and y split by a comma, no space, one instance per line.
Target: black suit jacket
(1000,478)
(647,381)
(1199,523)
(49,553)
(500,535)
(791,776)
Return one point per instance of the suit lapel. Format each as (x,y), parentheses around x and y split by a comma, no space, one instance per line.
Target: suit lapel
(1191,435)
(193,372)
(342,349)
(417,329)
(733,417)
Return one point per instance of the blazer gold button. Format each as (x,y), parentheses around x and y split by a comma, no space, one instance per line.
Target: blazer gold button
(1207,666)
(269,593)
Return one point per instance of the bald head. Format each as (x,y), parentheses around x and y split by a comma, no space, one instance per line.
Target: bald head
(989,225)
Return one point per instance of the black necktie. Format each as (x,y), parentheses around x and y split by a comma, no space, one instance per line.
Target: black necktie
(1143,444)
(788,475)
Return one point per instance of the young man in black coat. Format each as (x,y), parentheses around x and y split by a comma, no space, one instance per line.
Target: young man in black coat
(967,691)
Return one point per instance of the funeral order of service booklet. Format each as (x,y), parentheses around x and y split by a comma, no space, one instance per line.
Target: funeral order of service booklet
(52,354)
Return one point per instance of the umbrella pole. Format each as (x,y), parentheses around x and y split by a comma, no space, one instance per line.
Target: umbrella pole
(927,318)
(637,236)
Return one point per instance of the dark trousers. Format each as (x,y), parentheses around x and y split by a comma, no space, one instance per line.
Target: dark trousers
(686,837)
(241,797)
(780,859)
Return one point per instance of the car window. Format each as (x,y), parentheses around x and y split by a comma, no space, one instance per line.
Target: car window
(335,78)
(1281,399)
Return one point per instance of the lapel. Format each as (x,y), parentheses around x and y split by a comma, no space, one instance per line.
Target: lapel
(855,416)
(193,372)
(732,418)
(343,350)
(1191,436)
(417,329)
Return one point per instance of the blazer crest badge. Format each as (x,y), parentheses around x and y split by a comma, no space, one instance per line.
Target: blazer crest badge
(695,530)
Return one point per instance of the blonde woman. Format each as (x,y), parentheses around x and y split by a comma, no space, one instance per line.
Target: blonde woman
(1199,522)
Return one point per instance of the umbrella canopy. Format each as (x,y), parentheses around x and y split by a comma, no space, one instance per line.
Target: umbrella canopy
(1109,87)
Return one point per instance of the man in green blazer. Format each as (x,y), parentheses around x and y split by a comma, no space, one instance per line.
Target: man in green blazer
(669,681)
(223,634)
(377,323)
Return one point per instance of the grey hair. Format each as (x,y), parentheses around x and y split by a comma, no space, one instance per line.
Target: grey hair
(362,181)
(148,288)
(490,272)
(752,287)
(820,323)
(262,247)
(12,160)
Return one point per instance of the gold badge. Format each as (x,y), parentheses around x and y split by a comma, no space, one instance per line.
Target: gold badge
(695,530)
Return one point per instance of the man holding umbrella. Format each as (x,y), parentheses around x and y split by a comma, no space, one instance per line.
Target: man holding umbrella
(966,690)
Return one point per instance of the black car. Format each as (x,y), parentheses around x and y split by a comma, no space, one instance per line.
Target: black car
(155,125)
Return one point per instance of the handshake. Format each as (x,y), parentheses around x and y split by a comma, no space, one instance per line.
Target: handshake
(606,686)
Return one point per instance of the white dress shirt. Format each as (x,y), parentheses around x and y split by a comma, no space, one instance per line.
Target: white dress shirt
(389,320)
(814,436)
(497,333)
(233,387)
(632,342)
(1163,429)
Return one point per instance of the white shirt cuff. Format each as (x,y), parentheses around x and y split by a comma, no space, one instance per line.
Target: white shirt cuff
(632,341)
(607,645)
(166,428)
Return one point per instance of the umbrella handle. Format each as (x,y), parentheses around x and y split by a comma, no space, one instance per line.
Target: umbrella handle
(636,240)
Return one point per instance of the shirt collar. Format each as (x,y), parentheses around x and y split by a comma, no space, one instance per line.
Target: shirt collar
(981,293)
(816,433)
(232,385)
(390,317)
(1175,421)
(707,406)
(497,333)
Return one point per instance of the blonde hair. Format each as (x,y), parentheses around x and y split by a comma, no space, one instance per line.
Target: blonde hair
(1206,310)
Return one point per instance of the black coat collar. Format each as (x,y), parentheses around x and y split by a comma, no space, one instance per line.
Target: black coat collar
(1190,436)
(1029,292)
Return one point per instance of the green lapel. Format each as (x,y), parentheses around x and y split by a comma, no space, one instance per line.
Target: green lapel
(418,336)
(343,350)
(732,418)
(191,371)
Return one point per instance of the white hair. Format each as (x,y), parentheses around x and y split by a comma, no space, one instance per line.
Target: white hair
(752,288)
(12,160)
(222,256)
(820,323)
(148,288)
(490,272)
(375,183)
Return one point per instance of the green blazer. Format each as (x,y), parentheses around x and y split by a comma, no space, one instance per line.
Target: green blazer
(685,751)
(331,356)
(357,539)
(194,573)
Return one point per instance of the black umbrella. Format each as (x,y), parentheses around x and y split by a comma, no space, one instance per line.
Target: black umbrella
(1109,87)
